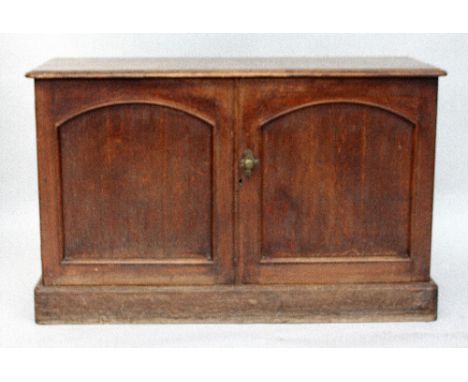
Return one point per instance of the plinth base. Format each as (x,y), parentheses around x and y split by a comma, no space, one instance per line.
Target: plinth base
(237,304)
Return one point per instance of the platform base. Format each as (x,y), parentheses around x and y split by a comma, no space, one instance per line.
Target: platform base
(237,304)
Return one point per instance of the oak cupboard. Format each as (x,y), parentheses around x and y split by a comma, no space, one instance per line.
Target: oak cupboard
(239,190)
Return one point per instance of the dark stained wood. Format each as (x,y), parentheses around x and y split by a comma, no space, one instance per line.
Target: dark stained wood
(241,303)
(146,215)
(331,173)
(135,185)
(178,67)
(335,198)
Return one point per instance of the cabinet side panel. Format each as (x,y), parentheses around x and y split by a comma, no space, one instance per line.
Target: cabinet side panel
(423,180)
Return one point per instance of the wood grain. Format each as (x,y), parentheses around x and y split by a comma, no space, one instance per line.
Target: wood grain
(136,183)
(331,174)
(180,67)
(241,304)
(133,181)
(338,177)
(146,215)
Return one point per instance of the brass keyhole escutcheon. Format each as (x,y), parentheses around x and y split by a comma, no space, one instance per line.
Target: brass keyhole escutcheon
(248,162)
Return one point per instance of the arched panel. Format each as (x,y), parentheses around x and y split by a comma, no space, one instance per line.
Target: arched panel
(136,183)
(336,181)
(283,113)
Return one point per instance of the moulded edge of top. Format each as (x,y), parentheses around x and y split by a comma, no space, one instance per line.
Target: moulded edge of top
(186,67)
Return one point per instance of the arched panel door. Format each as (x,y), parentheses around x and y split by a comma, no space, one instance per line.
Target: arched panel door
(138,186)
(330,200)
(331,174)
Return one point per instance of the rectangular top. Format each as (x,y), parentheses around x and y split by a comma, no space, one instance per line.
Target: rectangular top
(179,67)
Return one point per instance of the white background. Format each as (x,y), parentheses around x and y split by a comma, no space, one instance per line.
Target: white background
(19,219)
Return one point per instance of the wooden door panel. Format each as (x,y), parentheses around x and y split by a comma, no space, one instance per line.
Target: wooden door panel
(331,174)
(340,189)
(136,183)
